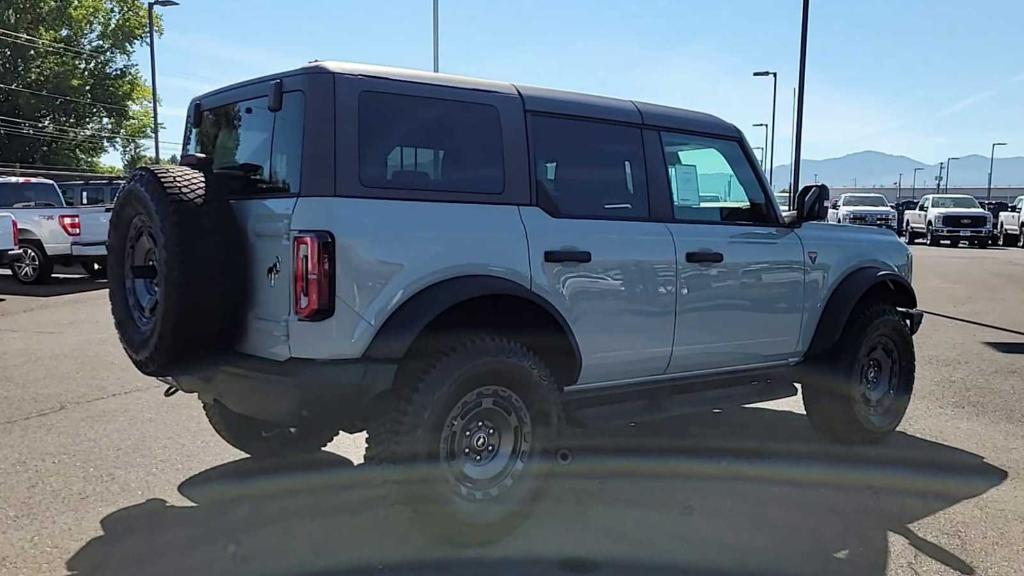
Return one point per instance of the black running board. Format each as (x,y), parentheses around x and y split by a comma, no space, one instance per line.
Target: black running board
(682,397)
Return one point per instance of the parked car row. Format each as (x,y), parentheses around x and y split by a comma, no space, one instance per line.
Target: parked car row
(50,232)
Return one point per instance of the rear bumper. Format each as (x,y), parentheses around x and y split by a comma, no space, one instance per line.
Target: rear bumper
(88,249)
(292,391)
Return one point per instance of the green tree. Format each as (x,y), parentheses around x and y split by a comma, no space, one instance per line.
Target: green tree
(81,50)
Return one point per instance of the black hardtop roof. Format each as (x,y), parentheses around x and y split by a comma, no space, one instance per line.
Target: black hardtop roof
(534,98)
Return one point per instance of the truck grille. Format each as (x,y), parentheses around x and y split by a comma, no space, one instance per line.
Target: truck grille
(964,221)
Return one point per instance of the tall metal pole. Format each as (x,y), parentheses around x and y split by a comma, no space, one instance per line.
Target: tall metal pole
(949,162)
(792,145)
(771,163)
(913,184)
(152,73)
(938,179)
(436,56)
(800,100)
(991,164)
(899,186)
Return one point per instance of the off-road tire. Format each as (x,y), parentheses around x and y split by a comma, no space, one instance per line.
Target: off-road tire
(262,439)
(43,264)
(1020,236)
(465,371)
(835,393)
(193,307)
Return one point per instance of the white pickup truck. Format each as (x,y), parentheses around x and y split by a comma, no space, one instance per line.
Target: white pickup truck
(863,210)
(50,232)
(1009,224)
(954,218)
(8,238)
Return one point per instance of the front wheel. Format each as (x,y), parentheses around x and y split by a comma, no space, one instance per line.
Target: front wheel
(1004,238)
(859,390)
(1020,237)
(930,237)
(478,422)
(262,439)
(33,266)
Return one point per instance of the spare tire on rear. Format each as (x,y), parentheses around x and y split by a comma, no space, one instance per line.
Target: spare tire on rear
(176,270)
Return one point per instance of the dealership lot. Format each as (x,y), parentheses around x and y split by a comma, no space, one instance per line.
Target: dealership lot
(100,474)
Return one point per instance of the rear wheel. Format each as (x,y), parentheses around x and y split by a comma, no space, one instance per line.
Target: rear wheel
(908,233)
(1020,237)
(478,420)
(859,391)
(262,439)
(34,266)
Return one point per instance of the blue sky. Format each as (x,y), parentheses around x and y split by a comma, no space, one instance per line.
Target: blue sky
(924,78)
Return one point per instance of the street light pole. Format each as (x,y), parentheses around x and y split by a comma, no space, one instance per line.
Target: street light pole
(899,186)
(800,100)
(991,164)
(765,126)
(948,162)
(938,179)
(436,55)
(775,92)
(152,72)
(913,184)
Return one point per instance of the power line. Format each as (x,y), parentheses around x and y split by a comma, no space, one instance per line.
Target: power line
(83,131)
(63,97)
(47,136)
(100,175)
(17,165)
(81,51)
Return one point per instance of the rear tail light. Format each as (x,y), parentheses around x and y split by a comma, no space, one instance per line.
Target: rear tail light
(313,259)
(17,239)
(71,224)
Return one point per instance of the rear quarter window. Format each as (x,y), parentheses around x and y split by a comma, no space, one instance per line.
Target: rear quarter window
(421,143)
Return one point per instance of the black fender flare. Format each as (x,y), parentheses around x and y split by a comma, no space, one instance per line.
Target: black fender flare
(400,330)
(845,296)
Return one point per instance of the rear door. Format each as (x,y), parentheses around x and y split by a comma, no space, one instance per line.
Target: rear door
(594,252)
(740,271)
(256,160)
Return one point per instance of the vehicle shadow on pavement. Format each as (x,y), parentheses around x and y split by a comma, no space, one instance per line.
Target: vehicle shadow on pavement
(57,286)
(747,491)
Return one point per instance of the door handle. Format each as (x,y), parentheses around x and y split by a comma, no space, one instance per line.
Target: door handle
(581,256)
(704,257)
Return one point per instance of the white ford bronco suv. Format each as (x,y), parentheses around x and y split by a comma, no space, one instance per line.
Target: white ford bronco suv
(459,266)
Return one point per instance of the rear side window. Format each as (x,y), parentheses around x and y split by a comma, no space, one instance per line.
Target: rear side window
(253,150)
(418,143)
(588,169)
(29,195)
(93,195)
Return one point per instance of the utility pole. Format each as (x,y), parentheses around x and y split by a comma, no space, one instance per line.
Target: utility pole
(938,179)
(775,92)
(991,163)
(152,71)
(800,99)
(792,145)
(899,186)
(949,161)
(436,56)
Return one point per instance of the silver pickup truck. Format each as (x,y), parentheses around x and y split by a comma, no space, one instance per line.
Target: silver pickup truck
(50,232)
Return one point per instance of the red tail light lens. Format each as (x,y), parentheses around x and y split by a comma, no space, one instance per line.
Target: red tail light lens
(17,239)
(313,259)
(71,224)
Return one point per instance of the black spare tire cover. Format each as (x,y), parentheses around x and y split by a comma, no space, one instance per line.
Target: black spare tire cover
(176,267)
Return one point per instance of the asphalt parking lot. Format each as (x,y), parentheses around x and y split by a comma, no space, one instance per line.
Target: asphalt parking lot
(100,474)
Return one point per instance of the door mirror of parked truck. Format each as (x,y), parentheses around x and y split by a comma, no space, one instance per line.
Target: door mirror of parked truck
(810,203)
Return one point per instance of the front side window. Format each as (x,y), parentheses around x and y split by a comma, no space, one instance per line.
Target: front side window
(417,143)
(712,181)
(588,169)
(253,150)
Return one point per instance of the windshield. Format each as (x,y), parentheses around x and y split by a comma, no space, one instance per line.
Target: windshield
(954,202)
(872,200)
(31,193)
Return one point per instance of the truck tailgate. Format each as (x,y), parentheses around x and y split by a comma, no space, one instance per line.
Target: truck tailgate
(94,225)
(6,233)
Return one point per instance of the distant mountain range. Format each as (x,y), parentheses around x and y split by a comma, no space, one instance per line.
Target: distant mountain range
(872,168)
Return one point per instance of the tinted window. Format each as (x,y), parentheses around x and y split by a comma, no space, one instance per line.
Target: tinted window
(712,181)
(39,193)
(420,143)
(94,195)
(954,202)
(253,150)
(588,169)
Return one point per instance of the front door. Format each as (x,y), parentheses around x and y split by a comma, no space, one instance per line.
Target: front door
(593,252)
(740,272)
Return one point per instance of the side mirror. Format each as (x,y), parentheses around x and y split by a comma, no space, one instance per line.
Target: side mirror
(834,205)
(810,203)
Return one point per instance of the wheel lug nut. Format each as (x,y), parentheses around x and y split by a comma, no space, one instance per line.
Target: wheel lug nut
(490,447)
(466,451)
(479,423)
(477,458)
(468,433)
(490,431)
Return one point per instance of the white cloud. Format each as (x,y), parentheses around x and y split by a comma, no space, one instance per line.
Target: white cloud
(966,102)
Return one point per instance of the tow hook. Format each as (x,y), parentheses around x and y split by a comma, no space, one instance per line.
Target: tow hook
(171,389)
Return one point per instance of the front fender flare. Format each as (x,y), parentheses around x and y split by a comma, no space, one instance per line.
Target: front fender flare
(848,293)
